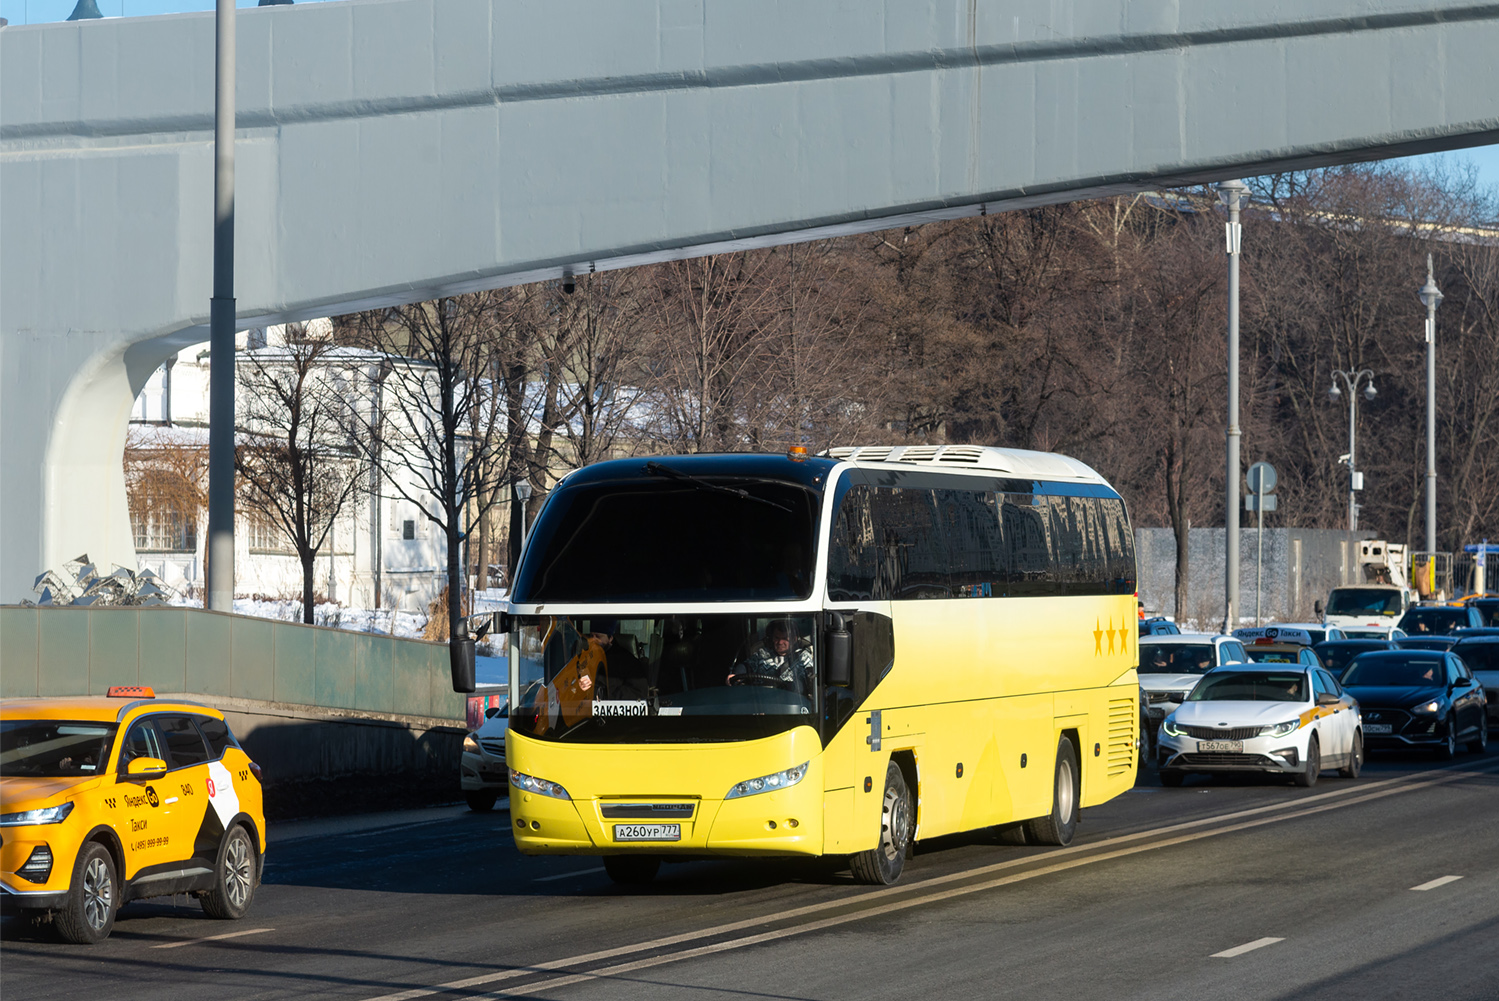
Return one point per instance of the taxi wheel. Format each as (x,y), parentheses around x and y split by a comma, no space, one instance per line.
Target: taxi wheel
(89,916)
(882,864)
(1355,760)
(481,800)
(1308,778)
(631,870)
(234,886)
(1058,827)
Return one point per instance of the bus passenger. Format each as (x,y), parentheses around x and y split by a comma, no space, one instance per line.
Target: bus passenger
(774,658)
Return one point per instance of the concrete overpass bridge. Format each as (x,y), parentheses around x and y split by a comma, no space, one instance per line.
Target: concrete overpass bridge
(395,150)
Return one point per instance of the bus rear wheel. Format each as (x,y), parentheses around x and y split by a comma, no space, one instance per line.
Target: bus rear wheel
(1058,827)
(882,864)
(632,870)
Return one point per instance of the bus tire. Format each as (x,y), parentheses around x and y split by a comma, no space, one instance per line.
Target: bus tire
(882,864)
(632,870)
(1058,827)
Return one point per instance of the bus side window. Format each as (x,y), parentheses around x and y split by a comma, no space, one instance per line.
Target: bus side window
(1027,530)
(853,556)
(978,560)
(914,556)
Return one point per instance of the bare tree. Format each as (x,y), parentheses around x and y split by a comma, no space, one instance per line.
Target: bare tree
(439,435)
(296,464)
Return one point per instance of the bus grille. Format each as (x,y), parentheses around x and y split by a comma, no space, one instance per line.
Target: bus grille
(1122,715)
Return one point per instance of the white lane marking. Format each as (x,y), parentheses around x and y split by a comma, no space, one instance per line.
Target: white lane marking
(1239,950)
(212,938)
(1372,791)
(1439,881)
(565,875)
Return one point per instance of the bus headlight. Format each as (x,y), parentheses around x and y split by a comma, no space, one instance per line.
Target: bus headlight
(1280,729)
(541,787)
(769,783)
(1171,728)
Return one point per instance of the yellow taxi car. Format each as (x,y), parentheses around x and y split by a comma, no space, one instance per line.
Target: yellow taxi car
(108,800)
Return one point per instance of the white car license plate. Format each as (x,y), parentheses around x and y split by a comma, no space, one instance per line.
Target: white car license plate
(647,832)
(1221,746)
(1379,727)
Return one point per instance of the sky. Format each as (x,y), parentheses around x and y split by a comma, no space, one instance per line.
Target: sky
(1484,158)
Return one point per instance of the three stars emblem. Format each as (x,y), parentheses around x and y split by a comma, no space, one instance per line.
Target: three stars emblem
(1099,632)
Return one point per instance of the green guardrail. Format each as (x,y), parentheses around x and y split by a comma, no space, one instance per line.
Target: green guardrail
(82,651)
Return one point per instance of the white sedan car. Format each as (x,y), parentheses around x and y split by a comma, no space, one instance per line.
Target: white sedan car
(483,773)
(1281,719)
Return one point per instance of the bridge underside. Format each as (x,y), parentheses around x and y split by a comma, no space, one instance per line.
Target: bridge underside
(395,150)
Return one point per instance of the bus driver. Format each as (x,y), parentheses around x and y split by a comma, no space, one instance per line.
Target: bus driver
(774,658)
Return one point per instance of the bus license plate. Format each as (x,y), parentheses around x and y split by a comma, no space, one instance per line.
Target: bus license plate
(647,832)
(1379,727)
(1221,746)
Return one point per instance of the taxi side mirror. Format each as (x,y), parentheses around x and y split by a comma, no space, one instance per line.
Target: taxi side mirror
(1328,699)
(146,768)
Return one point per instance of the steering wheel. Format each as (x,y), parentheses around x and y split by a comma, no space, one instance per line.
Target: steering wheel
(755,680)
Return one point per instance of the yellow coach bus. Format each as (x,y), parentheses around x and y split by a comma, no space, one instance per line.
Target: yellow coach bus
(843,654)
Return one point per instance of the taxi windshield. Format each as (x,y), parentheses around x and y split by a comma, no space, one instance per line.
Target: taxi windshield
(665,678)
(1237,686)
(1177,658)
(1265,655)
(52,748)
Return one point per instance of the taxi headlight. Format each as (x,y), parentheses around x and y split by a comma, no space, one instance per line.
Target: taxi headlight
(471,746)
(1428,708)
(46,815)
(1169,724)
(768,783)
(530,783)
(1280,729)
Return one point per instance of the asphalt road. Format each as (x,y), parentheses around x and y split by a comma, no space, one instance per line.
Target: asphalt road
(1225,889)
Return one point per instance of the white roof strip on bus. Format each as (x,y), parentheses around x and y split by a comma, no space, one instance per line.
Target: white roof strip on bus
(1018,462)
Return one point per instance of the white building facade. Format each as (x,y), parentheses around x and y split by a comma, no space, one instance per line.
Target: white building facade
(383,552)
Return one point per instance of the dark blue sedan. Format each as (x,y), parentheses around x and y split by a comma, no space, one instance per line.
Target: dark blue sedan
(1418,698)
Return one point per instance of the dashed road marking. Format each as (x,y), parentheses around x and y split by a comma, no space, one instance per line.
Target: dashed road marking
(565,875)
(1439,881)
(212,938)
(1239,950)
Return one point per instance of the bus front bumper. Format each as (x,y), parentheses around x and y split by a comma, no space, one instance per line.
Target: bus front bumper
(682,809)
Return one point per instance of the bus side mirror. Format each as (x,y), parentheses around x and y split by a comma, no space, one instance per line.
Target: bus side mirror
(840,652)
(461,660)
(1318,608)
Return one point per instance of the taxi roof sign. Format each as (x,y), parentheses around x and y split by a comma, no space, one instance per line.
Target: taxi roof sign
(130,692)
(1275,634)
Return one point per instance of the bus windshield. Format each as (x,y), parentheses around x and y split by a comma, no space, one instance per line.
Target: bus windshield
(1363,601)
(670,678)
(673,536)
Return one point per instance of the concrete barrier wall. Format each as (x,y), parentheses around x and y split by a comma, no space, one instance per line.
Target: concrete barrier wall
(1300,566)
(82,651)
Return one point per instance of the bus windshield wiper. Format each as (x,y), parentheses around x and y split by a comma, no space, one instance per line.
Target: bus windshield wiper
(656,469)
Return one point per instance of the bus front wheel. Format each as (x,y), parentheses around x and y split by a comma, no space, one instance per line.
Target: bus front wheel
(882,864)
(1057,827)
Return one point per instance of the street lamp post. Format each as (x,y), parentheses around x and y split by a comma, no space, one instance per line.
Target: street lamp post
(220,549)
(1353,379)
(1233,194)
(1431,298)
